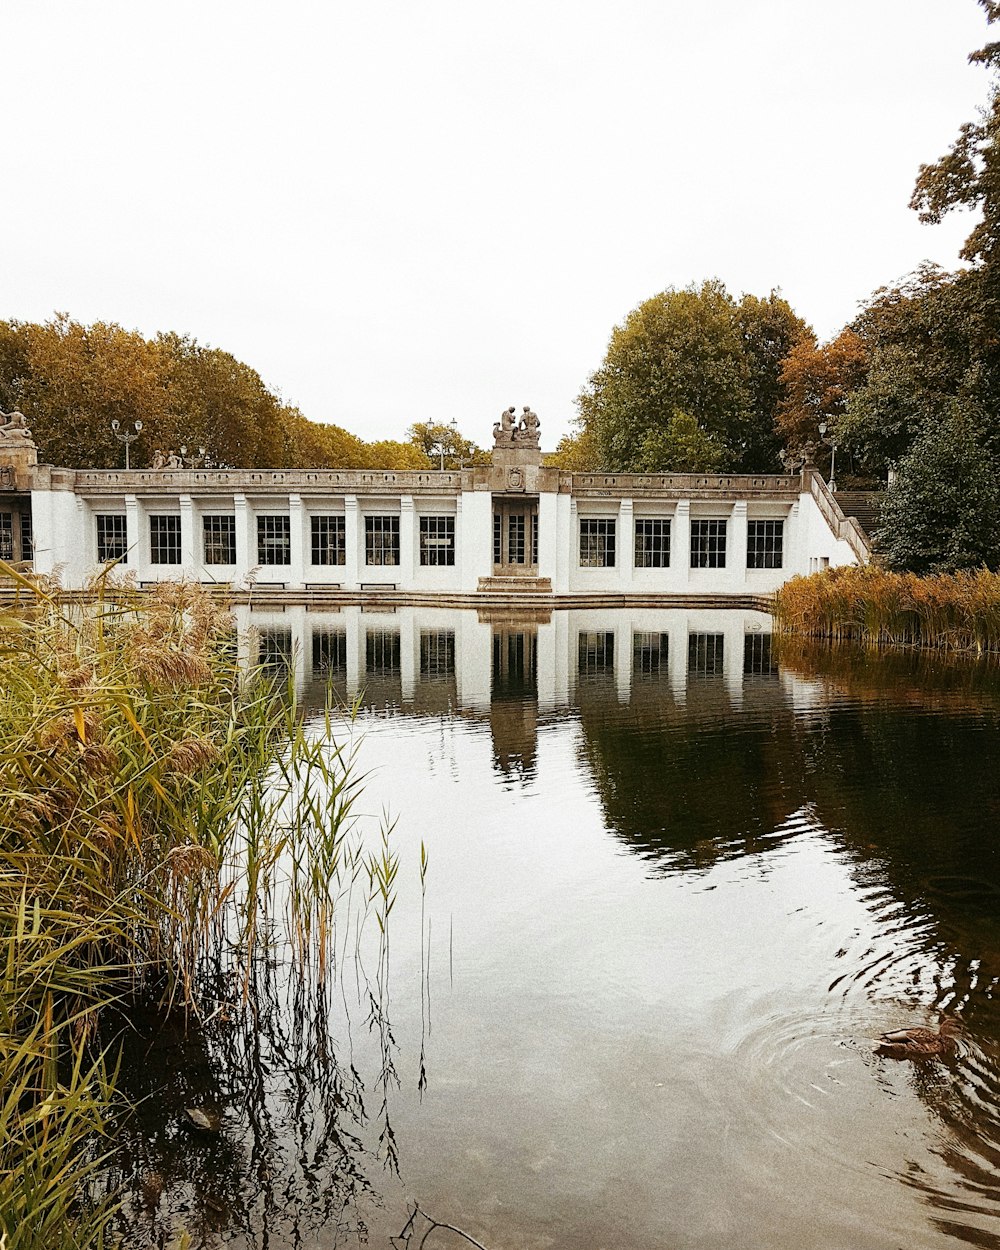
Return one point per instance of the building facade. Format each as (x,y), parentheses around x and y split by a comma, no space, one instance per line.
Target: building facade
(515,528)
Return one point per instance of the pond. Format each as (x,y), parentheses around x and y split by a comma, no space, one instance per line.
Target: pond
(678,881)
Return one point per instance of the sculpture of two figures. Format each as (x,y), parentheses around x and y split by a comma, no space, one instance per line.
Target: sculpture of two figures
(14,428)
(511,431)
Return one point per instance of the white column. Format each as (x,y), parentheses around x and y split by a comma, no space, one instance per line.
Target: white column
(680,543)
(796,555)
(190,564)
(355,645)
(407,543)
(477,538)
(297,542)
(548,537)
(565,517)
(352,548)
(736,556)
(626,546)
(138,540)
(409,648)
(246,555)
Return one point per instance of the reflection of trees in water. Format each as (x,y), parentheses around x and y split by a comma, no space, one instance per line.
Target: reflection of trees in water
(297,1147)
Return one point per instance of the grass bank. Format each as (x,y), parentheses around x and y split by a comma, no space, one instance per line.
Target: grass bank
(955,612)
(150,782)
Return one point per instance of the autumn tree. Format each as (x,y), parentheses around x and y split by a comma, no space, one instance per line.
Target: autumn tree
(444,445)
(691,356)
(816,380)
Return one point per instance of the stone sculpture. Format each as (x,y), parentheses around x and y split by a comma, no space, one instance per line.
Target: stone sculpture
(15,428)
(511,432)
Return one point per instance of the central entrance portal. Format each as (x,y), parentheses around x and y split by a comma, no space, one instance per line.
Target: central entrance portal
(515,538)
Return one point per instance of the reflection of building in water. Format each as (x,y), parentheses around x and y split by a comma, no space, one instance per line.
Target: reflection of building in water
(428,660)
(514,701)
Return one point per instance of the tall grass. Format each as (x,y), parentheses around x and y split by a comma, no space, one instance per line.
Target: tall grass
(958,611)
(149,785)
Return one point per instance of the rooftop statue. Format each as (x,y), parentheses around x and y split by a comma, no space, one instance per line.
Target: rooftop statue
(14,428)
(509,431)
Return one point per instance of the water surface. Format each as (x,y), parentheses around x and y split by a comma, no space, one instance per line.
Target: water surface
(677,884)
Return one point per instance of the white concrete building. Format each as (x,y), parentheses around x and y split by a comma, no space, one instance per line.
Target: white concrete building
(513,529)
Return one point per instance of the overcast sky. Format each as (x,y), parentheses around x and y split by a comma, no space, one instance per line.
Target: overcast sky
(407,210)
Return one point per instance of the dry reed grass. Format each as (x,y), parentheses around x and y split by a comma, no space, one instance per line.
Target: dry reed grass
(870,605)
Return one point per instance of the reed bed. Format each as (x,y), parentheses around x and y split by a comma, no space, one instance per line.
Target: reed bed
(875,607)
(150,784)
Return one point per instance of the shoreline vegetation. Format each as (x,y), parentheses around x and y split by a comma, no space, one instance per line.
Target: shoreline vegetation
(870,605)
(162,812)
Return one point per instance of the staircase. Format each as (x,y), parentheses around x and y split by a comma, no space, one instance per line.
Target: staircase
(515,585)
(863,505)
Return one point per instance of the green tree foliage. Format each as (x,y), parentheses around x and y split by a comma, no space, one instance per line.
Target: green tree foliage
(698,353)
(942,512)
(577,452)
(444,446)
(927,342)
(968,175)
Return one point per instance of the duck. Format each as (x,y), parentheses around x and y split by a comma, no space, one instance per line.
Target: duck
(920,1042)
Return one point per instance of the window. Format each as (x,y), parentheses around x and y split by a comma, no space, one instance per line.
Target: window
(437,540)
(382,653)
(329,540)
(758,658)
(708,544)
(275,651)
(381,540)
(705,654)
(437,653)
(274,540)
(27,544)
(112,537)
(649,653)
(497,533)
(329,648)
(220,539)
(765,544)
(597,543)
(165,539)
(596,651)
(515,538)
(652,543)
(6,536)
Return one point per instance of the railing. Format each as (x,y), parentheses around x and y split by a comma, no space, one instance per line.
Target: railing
(336,481)
(687,485)
(846,528)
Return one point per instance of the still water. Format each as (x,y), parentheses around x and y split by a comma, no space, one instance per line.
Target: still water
(677,882)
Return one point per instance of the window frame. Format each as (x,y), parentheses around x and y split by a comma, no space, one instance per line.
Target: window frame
(382,526)
(437,540)
(108,544)
(766,543)
(709,540)
(165,538)
(223,540)
(598,542)
(328,538)
(274,539)
(655,546)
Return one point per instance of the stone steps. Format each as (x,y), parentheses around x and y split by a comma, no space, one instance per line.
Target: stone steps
(515,586)
(863,505)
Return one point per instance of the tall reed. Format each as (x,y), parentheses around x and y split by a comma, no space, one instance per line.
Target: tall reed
(150,783)
(868,604)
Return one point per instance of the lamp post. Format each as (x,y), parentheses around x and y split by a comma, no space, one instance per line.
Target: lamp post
(126,436)
(831,442)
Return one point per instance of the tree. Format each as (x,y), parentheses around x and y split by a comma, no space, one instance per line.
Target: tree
(693,352)
(942,512)
(968,175)
(816,381)
(443,445)
(770,330)
(928,341)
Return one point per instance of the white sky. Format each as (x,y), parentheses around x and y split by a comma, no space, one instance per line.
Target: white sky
(402,210)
